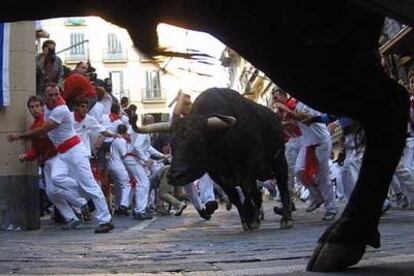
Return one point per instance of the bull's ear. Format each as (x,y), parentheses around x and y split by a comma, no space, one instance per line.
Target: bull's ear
(221,121)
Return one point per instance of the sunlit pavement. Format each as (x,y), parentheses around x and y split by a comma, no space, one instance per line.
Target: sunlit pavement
(189,245)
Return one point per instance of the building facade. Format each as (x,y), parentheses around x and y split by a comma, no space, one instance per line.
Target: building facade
(111,51)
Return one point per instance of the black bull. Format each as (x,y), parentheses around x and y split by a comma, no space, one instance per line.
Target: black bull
(323,52)
(235,153)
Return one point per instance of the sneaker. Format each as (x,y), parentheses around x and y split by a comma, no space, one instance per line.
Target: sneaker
(386,206)
(150,210)
(86,214)
(180,209)
(204,214)
(314,205)
(211,207)
(142,216)
(161,211)
(398,198)
(72,224)
(122,210)
(104,228)
(404,201)
(329,216)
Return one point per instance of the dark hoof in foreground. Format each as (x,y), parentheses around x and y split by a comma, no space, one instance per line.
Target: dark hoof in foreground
(334,257)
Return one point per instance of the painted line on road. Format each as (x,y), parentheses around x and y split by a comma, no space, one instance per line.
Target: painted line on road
(141,226)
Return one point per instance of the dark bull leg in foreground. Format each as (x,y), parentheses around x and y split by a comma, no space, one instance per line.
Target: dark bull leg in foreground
(323,52)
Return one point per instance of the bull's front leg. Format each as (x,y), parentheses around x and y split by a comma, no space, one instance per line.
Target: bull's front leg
(343,244)
(280,168)
(246,200)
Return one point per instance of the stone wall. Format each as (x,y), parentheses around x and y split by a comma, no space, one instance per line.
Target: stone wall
(19,194)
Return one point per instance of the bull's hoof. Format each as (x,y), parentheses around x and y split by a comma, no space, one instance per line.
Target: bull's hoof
(286,223)
(334,256)
(249,226)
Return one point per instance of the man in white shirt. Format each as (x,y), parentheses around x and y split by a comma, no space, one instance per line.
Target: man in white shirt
(98,109)
(112,120)
(87,126)
(59,128)
(118,171)
(315,141)
(139,163)
(316,137)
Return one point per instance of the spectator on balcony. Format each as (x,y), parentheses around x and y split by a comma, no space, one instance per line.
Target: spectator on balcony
(49,68)
(109,99)
(124,104)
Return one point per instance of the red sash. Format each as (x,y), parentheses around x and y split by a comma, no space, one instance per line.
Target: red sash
(311,166)
(113,117)
(68,144)
(131,154)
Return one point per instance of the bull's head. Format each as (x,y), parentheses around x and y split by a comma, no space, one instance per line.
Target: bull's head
(189,145)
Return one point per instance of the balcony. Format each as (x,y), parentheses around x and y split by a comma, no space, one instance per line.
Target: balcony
(74,58)
(115,57)
(153,96)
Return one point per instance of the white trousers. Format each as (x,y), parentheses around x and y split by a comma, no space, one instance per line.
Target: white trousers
(323,188)
(120,178)
(350,172)
(143,185)
(336,174)
(61,189)
(192,192)
(80,169)
(206,187)
(291,152)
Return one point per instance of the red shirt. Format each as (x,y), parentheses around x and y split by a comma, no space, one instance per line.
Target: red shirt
(42,147)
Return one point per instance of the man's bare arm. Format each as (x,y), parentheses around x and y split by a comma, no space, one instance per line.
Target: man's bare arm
(47,126)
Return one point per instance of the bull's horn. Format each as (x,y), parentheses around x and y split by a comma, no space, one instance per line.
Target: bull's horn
(221,122)
(157,127)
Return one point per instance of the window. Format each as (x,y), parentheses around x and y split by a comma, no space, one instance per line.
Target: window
(113,44)
(75,41)
(153,87)
(117,84)
(77,50)
(114,53)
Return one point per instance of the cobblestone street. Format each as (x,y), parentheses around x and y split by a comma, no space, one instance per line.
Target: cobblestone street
(188,245)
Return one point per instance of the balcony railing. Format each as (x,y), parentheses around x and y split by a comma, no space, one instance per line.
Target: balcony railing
(153,95)
(115,57)
(75,58)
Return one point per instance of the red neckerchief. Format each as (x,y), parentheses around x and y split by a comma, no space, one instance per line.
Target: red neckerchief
(292,103)
(78,117)
(59,101)
(113,117)
(38,122)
